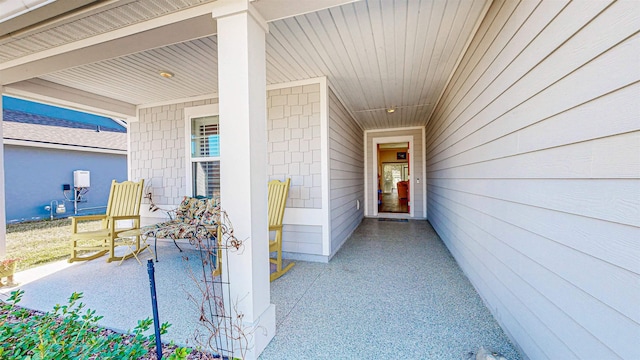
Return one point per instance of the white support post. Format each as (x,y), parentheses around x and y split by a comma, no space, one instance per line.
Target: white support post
(3,219)
(243,170)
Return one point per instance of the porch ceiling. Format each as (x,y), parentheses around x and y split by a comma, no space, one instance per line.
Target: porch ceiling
(376,54)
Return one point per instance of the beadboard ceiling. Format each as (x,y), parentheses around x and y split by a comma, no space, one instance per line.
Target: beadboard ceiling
(376,54)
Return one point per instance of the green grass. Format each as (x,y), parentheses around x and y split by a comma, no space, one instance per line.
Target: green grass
(41,242)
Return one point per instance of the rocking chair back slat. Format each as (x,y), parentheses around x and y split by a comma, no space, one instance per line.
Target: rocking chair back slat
(123,204)
(278,192)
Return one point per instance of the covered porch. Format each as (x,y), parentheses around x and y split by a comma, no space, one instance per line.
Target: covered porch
(393,291)
(519,120)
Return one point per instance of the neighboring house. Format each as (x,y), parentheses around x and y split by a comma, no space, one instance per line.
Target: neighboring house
(40,155)
(521,119)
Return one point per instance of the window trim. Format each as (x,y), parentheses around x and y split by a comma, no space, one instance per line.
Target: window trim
(190,113)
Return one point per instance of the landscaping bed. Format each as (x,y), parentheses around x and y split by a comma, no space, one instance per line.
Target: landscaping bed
(70,332)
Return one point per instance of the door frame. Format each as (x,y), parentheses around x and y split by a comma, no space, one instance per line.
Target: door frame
(374,180)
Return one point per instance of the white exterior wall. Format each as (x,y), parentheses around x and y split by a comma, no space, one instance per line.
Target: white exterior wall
(533,160)
(293,130)
(294,147)
(346,167)
(157,154)
(157,151)
(417,193)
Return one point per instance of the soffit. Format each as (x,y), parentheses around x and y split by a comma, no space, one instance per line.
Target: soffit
(376,54)
(101,18)
(135,78)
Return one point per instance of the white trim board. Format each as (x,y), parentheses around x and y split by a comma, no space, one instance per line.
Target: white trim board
(393,129)
(178,101)
(364,176)
(324,165)
(50,93)
(424,172)
(189,113)
(300,216)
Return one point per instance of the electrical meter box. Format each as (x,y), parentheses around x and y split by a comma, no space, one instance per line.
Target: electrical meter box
(81,179)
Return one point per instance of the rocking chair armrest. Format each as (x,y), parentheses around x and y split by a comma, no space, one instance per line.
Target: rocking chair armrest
(125,217)
(76,219)
(87,218)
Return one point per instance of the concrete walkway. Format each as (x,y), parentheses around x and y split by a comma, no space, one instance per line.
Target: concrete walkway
(392,291)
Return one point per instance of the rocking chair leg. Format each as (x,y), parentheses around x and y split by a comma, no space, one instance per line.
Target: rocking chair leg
(278,273)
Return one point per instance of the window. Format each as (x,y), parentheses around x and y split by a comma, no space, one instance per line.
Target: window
(203,167)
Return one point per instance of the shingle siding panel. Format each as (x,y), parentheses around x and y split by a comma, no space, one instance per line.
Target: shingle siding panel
(293,142)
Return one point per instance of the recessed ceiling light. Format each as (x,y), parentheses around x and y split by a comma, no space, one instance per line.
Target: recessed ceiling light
(166,74)
(391,110)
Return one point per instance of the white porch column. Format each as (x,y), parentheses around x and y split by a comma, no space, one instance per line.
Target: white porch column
(243,171)
(3,220)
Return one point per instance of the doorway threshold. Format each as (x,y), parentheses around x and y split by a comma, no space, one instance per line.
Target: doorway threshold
(392,219)
(388,215)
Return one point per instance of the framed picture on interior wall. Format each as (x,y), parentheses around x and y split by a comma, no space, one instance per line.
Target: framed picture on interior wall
(401,155)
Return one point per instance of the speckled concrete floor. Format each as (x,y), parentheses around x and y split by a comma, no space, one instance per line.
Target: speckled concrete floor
(121,293)
(392,291)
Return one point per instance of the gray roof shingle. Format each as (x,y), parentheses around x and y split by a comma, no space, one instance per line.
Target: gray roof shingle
(27,127)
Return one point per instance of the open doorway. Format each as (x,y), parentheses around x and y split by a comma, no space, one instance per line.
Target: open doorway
(393,178)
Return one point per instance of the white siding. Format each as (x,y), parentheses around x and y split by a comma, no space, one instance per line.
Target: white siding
(301,239)
(533,160)
(157,148)
(293,131)
(417,192)
(346,166)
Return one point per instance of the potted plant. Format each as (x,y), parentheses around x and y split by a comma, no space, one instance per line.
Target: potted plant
(7,269)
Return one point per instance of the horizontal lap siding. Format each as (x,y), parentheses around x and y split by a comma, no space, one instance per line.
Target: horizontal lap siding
(302,239)
(346,168)
(533,160)
(27,194)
